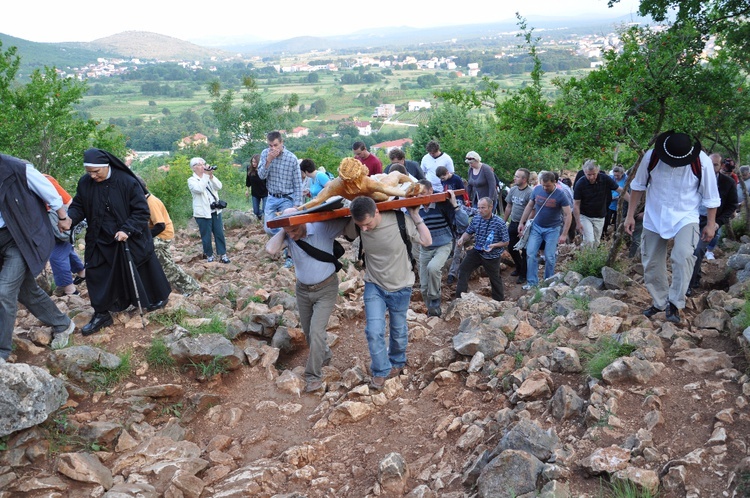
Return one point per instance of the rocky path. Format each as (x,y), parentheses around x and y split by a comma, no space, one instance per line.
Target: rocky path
(497,400)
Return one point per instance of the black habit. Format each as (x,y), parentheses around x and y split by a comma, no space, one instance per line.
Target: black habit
(117,204)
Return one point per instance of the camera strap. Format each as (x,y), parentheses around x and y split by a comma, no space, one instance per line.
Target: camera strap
(208,187)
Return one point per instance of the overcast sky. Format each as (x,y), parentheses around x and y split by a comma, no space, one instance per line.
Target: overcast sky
(87,20)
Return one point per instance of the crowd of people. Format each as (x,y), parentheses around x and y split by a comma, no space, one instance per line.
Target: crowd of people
(476,223)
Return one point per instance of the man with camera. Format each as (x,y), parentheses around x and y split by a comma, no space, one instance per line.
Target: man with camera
(207,206)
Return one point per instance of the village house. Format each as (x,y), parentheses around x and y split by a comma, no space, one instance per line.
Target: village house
(197,139)
(391,144)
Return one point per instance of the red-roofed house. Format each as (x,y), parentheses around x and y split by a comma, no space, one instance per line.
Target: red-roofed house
(300,131)
(392,144)
(364,127)
(197,139)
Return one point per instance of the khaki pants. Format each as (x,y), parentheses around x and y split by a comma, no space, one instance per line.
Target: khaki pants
(592,230)
(654,254)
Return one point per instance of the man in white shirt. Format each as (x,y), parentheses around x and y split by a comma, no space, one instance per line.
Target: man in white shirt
(430,162)
(668,216)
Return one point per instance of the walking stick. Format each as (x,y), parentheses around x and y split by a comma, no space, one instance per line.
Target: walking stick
(135,284)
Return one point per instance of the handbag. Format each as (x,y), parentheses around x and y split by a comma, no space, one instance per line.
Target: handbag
(53,219)
(521,244)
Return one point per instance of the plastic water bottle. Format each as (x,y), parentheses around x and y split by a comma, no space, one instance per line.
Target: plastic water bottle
(489,240)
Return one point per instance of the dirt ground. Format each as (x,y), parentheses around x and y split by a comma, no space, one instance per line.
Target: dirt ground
(408,424)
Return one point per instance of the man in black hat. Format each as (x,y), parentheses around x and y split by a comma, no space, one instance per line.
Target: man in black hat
(110,197)
(677,185)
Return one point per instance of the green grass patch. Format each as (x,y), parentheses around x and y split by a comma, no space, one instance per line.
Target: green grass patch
(169,317)
(744,313)
(208,369)
(589,261)
(604,352)
(214,326)
(109,377)
(158,355)
(627,489)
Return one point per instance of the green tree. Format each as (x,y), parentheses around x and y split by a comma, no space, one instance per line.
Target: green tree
(312,77)
(40,124)
(725,19)
(241,125)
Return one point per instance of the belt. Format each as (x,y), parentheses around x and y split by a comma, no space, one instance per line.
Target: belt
(318,286)
(281,196)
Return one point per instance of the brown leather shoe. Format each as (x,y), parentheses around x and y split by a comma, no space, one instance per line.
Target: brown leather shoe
(377,383)
(395,372)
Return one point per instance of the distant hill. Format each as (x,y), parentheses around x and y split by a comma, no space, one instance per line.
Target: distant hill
(63,56)
(146,45)
(405,36)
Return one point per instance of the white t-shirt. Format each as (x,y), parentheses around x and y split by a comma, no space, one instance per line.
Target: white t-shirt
(430,164)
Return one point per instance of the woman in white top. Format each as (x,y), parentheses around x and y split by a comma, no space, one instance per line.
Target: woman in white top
(204,187)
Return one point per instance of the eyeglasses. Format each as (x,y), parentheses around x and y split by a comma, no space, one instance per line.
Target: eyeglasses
(470,159)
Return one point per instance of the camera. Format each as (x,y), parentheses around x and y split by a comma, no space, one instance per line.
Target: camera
(218,204)
(208,167)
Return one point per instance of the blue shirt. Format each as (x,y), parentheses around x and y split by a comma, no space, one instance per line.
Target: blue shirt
(481,228)
(317,183)
(550,215)
(282,175)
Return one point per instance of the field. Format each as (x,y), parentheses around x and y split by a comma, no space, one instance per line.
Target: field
(125,100)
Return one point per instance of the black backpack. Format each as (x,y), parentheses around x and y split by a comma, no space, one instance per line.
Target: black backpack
(320,255)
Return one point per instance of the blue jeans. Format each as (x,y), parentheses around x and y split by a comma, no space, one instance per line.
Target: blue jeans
(377,301)
(259,203)
(275,205)
(64,263)
(538,234)
(17,284)
(214,225)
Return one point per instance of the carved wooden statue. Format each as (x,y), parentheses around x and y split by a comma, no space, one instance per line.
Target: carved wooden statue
(353,182)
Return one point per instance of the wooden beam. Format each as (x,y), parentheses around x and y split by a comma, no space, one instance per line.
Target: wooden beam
(298,219)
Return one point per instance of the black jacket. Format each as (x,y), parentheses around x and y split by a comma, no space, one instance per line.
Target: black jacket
(25,214)
(728,193)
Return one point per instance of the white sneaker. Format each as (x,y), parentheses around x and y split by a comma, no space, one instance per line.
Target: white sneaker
(61,339)
(710,255)
(527,287)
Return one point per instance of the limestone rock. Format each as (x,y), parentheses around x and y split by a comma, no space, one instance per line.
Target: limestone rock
(349,411)
(512,473)
(205,348)
(701,361)
(630,369)
(606,460)
(84,467)
(29,395)
(646,480)
(565,360)
(393,474)
(528,436)
(566,403)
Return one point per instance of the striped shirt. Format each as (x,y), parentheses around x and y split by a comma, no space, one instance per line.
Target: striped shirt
(282,175)
(481,228)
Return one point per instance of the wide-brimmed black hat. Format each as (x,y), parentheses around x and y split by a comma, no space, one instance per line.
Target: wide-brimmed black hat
(676,149)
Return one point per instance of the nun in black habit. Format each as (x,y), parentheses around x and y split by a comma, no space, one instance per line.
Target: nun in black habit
(112,201)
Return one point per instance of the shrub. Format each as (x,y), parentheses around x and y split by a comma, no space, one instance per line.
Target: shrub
(589,261)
